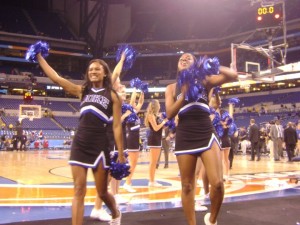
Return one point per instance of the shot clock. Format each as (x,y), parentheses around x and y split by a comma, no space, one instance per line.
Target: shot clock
(269,16)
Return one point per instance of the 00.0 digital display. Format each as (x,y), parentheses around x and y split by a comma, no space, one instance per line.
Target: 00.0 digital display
(265,10)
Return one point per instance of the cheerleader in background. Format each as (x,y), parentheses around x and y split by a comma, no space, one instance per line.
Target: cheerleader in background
(153,121)
(133,137)
(233,131)
(222,121)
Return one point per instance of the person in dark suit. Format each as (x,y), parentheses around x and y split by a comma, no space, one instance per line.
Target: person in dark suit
(18,135)
(254,139)
(290,140)
(23,143)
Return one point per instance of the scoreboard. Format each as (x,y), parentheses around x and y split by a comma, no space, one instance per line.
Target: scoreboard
(269,16)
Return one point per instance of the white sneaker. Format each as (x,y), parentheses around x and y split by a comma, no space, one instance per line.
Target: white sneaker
(128,188)
(116,221)
(200,208)
(154,184)
(206,220)
(100,214)
(120,200)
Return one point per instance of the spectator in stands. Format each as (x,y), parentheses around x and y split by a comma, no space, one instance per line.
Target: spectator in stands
(155,124)
(254,139)
(89,147)
(290,140)
(195,137)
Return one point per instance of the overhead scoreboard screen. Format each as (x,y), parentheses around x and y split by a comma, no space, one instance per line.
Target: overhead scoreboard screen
(269,16)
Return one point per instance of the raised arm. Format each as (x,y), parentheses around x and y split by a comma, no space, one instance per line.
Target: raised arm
(132,98)
(140,102)
(118,69)
(68,86)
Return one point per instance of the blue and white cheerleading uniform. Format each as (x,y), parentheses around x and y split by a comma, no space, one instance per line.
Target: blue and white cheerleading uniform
(225,139)
(133,135)
(90,144)
(194,132)
(154,137)
(222,132)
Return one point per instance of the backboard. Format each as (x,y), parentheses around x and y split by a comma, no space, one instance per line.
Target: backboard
(30,111)
(247,59)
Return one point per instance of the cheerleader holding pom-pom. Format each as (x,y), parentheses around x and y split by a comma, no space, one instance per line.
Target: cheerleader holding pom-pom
(89,147)
(221,121)
(133,123)
(195,136)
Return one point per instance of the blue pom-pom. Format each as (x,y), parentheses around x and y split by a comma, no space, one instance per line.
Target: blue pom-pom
(140,85)
(119,170)
(170,123)
(233,101)
(130,54)
(216,120)
(226,117)
(194,75)
(220,130)
(211,66)
(126,107)
(191,78)
(144,87)
(217,123)
(186,77)
(133,117)
(136,83)
(33,50)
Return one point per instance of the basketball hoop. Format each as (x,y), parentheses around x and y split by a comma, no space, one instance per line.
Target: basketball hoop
(30,118)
